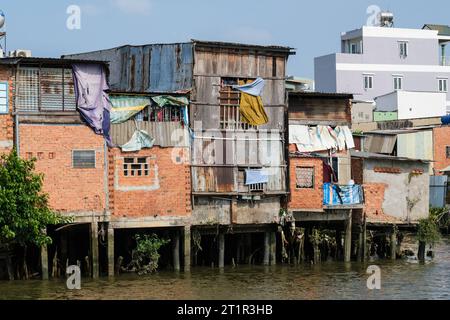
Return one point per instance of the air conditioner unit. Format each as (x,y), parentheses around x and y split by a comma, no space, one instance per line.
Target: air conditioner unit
(20,53)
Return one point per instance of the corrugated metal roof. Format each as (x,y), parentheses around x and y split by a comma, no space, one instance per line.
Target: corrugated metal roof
(443,30)
(233,45)
(164,68)
(47,61)
(371,155)
(321,94)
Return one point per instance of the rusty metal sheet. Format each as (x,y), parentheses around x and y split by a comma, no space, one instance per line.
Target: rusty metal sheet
(147,69)
(378,143)
(163,132)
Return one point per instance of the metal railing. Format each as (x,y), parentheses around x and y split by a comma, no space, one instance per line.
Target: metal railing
(445,61)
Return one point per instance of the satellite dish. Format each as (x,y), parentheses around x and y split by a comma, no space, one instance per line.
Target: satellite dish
(2,19)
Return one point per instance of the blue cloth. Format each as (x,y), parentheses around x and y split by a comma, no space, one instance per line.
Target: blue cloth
(256,176)
(342,195)
(255,88)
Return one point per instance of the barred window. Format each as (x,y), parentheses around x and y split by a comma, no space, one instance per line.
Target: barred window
(165,114)
(304,177)
(447,151)
(45,89)
(136,167)
(229,99)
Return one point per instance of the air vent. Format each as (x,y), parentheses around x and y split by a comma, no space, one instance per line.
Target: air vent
(83,159)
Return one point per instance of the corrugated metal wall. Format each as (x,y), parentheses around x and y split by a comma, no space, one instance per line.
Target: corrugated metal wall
(438,191)
(417,145)
(166,134)
(147,69)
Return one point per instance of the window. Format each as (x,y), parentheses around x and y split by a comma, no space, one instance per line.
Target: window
(4,97)
(304,177)
(165,114)
(403,48)
(230,117)
(45,89)
(443,85)
(353,48)
(447,151)
(83,159)
(398,83)
(135,167)
(368,82)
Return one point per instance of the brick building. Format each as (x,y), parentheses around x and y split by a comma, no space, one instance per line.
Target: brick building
(317,164)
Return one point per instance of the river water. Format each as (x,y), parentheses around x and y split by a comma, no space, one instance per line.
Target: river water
(402,279)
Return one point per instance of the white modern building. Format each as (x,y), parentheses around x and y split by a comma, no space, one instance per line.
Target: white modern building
(375,61)
(412,104)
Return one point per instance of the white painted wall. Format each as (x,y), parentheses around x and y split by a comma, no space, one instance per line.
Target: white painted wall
(414,104)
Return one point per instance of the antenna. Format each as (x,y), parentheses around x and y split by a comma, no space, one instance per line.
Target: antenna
(2,34)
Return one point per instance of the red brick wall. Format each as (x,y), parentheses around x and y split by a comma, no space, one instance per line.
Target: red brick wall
(6,120)
(357,170)
(374,197)
(441,137)
(306,198)
(165,192)
(70,189)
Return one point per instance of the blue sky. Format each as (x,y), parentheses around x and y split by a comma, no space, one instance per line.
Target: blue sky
(312,27)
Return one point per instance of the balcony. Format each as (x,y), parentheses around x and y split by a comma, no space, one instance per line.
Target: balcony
(445,60)
(343,196)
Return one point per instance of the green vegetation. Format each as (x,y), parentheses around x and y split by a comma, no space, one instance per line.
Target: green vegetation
(428,231)
(24,210)
(145,256)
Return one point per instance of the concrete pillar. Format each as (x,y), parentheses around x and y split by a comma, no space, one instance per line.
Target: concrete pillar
(111,258)
(221,250)
(348,239)
(176,250)
(266,248)
(44,262)
(273,248)
(393,245)
(94,249)
(187,248)
(361,241)
(365,249)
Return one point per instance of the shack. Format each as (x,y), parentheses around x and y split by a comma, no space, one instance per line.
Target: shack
(234,178)
(322,195)
(396,192)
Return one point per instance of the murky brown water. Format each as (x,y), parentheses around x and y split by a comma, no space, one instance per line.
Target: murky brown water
(400,280)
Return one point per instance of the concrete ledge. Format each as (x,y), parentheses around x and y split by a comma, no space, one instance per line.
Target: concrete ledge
(341,215)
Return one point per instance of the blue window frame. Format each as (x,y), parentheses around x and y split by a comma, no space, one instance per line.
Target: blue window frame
(4,106)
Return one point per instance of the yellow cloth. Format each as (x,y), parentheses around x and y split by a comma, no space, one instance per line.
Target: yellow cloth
(252,109)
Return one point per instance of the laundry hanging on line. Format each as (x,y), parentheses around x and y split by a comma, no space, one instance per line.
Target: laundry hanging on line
(253,88)
(92,100)
(251,106)
(140,139)
(320,138)
(253,176)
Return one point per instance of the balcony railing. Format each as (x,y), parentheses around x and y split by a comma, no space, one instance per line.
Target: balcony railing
(445,61)
(342,195)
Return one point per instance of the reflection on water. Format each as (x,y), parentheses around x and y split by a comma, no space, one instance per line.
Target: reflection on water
(400,280)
